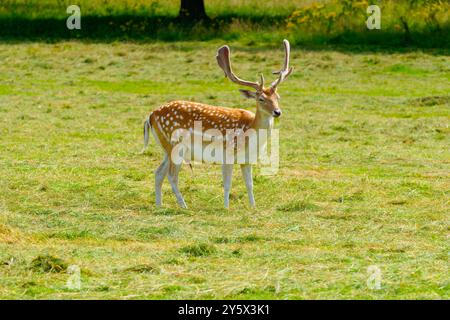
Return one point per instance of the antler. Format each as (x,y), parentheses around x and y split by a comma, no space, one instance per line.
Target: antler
(223,59)
(285,71)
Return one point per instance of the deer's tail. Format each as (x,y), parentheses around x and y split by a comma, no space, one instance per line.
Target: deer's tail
(147,127)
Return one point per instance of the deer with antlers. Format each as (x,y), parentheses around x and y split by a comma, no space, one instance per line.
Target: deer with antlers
(176,115)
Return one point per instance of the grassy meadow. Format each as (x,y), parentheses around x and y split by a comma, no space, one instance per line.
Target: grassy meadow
(364,175)
(363,180)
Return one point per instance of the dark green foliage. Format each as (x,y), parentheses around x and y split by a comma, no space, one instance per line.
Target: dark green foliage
(48,263)
(297,206)
(404,23)
(198,250)
(142,268)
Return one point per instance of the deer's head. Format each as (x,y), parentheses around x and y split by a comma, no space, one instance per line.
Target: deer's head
(267,99)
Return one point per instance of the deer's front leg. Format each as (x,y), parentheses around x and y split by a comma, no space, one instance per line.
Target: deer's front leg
(227,172)
(247,175)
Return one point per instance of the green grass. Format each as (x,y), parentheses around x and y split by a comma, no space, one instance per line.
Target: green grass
(363,180)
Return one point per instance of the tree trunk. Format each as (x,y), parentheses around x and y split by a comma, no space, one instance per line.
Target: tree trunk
(192,10)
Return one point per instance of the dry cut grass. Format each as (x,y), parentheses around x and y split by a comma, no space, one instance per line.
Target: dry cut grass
(364,176)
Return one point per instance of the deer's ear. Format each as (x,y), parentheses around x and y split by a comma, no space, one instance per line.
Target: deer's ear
(248,94)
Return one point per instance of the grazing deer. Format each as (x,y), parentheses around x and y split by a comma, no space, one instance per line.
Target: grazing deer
(165,120)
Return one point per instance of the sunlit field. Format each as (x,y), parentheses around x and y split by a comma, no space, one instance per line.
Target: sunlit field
(363,181)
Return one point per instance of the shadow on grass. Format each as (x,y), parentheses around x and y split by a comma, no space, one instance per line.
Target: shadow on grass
(257,32)
(125,27)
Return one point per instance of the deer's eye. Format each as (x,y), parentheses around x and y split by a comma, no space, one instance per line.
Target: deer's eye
(261,98)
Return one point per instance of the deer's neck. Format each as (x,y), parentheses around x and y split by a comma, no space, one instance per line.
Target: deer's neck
(262,120)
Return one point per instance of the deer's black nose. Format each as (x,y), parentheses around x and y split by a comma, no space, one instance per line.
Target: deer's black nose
(276,113)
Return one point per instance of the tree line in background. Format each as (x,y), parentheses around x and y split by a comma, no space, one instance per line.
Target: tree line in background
(419,22)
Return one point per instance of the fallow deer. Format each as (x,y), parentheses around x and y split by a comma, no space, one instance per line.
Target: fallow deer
(177,115)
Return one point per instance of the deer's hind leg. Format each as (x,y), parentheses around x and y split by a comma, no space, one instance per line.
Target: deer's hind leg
(172,176)
(160,174)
